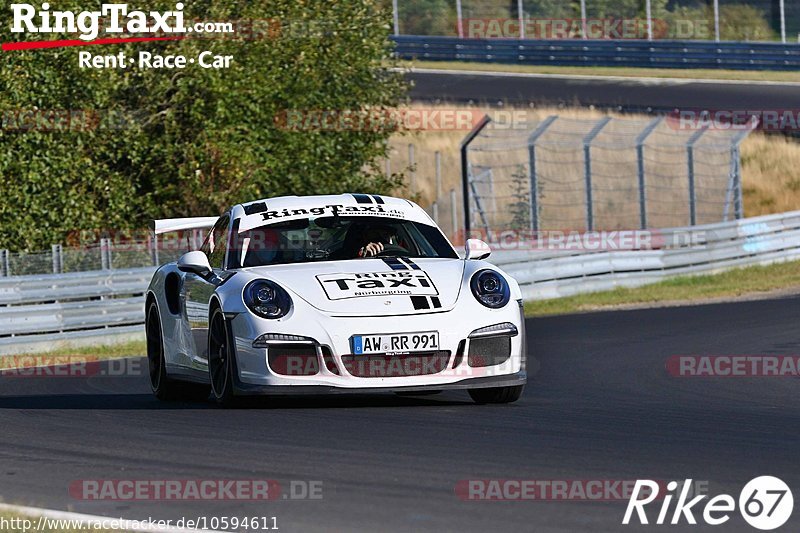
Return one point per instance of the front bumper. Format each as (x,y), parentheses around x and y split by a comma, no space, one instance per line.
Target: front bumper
(254,374)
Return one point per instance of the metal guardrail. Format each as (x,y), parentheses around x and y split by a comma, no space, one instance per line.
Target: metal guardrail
(42,312)
(717,247)
(37,312)
(603,53)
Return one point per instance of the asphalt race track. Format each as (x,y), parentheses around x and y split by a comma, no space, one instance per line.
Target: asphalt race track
(602,406)
(629,94)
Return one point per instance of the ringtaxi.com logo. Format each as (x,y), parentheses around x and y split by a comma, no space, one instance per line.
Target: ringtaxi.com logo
(766,503)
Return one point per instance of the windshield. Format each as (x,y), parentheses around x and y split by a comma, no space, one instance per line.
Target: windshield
(338,238)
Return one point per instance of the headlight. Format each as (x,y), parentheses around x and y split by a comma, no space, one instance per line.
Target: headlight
(266,299)
(490,289)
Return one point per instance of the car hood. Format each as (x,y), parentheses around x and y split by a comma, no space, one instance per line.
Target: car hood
(372,287)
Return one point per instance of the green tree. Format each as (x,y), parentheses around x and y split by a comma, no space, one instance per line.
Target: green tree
(194,141)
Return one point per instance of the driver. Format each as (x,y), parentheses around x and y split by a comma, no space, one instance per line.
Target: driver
(375,239)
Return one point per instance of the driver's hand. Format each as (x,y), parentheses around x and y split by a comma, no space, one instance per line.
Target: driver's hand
(371,249)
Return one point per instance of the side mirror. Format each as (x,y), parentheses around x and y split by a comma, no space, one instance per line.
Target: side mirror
(477,249)
(195,262)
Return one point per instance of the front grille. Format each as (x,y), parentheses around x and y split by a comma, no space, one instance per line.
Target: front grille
(293,359)
(489,351)
(392,366)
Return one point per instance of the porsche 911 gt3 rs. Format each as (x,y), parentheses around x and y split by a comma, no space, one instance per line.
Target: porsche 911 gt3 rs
(327,294)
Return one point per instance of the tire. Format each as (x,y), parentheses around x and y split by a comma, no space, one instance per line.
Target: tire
(497,394)
(164,388)
(220,360)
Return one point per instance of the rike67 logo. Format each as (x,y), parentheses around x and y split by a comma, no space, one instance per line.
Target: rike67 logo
(765,503)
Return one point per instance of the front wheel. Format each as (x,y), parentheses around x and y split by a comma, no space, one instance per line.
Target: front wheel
(497,394)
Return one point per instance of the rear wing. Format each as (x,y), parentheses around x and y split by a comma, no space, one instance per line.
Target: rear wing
(183,224)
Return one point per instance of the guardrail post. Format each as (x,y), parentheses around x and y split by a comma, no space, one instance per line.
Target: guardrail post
(690,162)
(465,168)
(534,178)
(4,259)
(56,252)
(396,17)
(640,140)
(587,168)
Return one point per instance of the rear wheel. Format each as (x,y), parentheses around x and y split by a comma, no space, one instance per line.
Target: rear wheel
(497,394)
(220,360)
(163,387)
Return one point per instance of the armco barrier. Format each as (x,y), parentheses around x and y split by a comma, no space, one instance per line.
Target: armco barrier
(754,241)
(37,312)
(604,53)
(42,312)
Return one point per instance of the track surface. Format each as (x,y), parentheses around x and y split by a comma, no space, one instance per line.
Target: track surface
(600,407)
(629,94)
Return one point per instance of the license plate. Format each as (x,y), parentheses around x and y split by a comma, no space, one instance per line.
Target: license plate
(423,341)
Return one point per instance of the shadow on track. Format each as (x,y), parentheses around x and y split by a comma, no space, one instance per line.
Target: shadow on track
(148,402)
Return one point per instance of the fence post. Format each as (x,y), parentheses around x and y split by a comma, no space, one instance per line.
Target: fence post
(534,178)
(587,168)
(690,161)
(583,20)
(736,170)
(396,18)
(5,262)
(438,158)
(521,17)
(454,213)
(154,252)
(459,19)
(56,252)
(412,166)
(465,168)
(103,256)
(640,140)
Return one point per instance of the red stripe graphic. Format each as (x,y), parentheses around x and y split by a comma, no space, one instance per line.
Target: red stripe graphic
(8,47)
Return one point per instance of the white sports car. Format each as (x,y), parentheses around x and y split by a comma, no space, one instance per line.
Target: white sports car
(327,294)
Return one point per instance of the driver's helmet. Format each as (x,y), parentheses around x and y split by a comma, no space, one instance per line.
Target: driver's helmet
(382,233)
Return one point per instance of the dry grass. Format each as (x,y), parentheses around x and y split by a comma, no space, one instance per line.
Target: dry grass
(770,170)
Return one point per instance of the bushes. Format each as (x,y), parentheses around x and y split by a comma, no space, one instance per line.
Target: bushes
(193,141)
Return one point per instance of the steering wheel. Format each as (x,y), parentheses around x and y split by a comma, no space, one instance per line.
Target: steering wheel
(392,249)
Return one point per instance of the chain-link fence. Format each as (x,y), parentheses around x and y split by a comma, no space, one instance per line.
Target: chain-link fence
(107,254)
(559,173)
(727,20)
